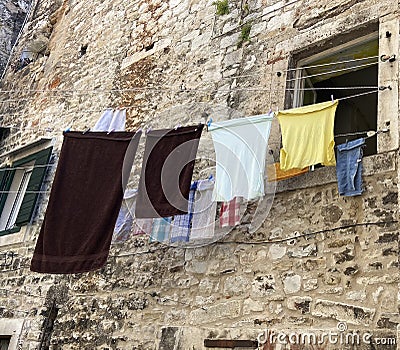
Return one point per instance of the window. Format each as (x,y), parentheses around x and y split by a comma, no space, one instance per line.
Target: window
(331,73)
(19,189)
(11,333)
(4,342)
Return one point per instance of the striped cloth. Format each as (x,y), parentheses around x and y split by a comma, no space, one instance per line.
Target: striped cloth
(161,229)
(181,226)
(203,221)
(230,213)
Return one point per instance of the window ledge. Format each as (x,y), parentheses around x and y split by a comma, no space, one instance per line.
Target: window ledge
(375,164)
(12,236)
(10,231)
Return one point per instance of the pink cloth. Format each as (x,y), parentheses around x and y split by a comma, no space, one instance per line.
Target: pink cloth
(230,213)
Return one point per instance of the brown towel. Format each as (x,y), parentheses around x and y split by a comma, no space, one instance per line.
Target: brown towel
(167,171)
(84,202)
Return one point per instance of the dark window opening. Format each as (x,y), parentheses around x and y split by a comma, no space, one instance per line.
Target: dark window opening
(4,342)
(331,74)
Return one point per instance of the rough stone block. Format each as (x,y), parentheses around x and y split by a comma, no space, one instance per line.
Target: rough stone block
(299,304)
(291,283)
(343,312)
(228,310)
(236,285)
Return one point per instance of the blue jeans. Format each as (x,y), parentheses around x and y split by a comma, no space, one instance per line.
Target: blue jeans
(349,167)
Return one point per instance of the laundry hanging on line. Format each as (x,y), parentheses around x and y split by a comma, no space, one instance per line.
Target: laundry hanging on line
(124,225)
(114,120)
(84,202)
(308,136)
(240,148)
(143,226)
(167,170)
(204,212)
(349,167)
(111,120)
(181,224)
(161,229)
(275,173)
(230,213)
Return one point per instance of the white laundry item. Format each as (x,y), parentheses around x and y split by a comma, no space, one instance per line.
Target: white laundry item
(104,121)
(240,147)
(111,120)
(204,210)
(124,225)
(118,120)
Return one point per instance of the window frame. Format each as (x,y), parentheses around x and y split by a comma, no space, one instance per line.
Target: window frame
(12,329)
(37,160)
(299,70)
(388,99)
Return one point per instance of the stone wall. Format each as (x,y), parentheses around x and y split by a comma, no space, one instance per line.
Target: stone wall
(318,259)
(12,16)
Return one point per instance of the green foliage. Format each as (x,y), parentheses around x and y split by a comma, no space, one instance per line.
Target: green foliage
(245,33)
(222,7)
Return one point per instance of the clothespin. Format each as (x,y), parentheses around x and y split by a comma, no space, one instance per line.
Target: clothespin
(67,129)
(208,124)
(177,126)
(112,130)
(86,131)
(211,177)
(333,100)
(148,129)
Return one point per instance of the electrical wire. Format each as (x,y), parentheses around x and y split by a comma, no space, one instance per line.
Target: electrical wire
(265,242)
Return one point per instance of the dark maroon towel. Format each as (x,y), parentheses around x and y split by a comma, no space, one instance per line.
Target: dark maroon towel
(84,201)
(167,171)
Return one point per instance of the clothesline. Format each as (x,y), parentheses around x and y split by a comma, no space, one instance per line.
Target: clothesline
(334,71)
(205,90)
(231,77)
(307,67)
(233,89)
(377,89)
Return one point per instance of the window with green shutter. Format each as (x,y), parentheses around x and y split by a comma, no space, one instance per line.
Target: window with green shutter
(20,187)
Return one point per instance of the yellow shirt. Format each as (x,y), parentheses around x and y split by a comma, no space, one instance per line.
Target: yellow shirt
(307,135)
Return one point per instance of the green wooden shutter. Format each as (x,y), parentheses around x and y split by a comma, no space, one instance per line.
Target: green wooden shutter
(34,185)
(6,177)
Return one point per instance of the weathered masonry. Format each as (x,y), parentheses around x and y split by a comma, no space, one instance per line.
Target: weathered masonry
(318,262)
(12,17)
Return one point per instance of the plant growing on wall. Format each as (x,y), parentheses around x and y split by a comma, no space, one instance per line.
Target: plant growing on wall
(222,7)
(244,34)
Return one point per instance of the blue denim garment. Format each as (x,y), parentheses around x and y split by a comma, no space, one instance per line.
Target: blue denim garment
(349,167)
